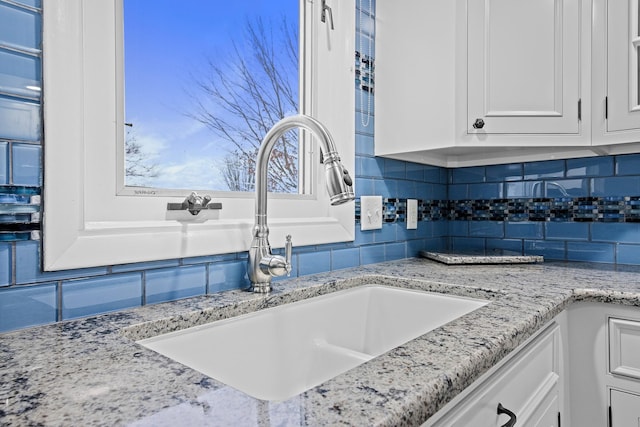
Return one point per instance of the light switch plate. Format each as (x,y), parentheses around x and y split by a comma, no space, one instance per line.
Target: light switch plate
(370,212)
(412,214)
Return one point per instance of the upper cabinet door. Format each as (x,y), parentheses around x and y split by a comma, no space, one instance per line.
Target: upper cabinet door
(523,66)
(623,72)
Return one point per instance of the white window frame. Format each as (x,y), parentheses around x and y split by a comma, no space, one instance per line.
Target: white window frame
(87,223)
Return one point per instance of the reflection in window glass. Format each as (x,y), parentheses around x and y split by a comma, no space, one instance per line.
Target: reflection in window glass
(204,82)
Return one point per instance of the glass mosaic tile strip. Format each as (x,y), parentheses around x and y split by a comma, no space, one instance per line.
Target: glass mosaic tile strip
(461,210)
(19,232)
(585,209)
(19,213)
(560,209)
(389,210)
(481,210)
(401,210)
(632,209)
(517,210)
(499,210)
(365,71)
(611,209)
(539,209)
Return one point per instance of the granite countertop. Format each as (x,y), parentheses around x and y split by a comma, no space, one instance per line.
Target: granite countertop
(91,372)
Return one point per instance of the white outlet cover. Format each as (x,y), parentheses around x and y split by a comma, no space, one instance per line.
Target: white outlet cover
(370,212)
(412,214)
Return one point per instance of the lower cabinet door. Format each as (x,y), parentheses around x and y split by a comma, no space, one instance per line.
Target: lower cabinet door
(539,412)
(625,409)
(547,414)
(527,387)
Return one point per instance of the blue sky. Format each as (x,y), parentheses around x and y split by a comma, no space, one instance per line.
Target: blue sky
(165,47)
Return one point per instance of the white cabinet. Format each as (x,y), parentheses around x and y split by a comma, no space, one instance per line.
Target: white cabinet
(624,361)
(625,409)
(624,347)
(616,85)
(416,78)
(529,384)
(523,66)
(535,77)
(604,361)
(623,46)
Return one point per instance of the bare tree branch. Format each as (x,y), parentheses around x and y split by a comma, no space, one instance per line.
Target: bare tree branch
(242,98)
(137,164)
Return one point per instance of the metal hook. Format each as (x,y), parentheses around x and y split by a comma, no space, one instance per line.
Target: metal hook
(323,16)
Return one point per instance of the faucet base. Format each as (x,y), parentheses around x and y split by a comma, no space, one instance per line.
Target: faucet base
(260,288)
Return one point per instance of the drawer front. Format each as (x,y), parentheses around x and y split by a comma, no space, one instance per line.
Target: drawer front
(522,385)
(624,347)
(625,408)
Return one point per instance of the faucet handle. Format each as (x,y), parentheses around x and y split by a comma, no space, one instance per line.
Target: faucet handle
(288,251)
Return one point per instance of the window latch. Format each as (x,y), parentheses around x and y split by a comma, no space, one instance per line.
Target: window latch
(323,16)
(194,203)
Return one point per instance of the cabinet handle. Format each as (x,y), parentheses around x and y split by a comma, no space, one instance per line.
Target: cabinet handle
(478,124)
(512,416)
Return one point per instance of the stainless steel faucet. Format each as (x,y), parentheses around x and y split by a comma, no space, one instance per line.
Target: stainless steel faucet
(263,265)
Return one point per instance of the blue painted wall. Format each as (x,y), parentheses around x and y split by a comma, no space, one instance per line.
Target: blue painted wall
(29,296)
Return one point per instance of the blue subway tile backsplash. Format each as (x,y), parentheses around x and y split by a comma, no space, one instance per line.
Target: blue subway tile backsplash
(19,119)
(588,251)
(20,74)
(87,297)
(371,254)
(4,163)
(547,169)
(24,306)
(5,264)
(28,269)
(627,165)
(345,258)
(616,186)
(549,249)
(169,284)
(615,232)
(627,254)
(314,262)
(232,275)
(20,27)
(590,166)
(464,175)
(36,4)
(500,173)
(26,161)
(585,209)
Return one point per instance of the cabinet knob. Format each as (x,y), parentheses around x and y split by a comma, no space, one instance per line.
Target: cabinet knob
(478,124)
(512,416)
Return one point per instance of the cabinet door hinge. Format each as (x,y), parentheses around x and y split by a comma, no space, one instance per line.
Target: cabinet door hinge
(606,107)
(579,109)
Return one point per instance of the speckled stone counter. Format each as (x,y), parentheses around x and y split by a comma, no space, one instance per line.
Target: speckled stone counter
(91,371)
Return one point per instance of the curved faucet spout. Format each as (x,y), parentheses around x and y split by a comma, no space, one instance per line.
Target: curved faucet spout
(339,185)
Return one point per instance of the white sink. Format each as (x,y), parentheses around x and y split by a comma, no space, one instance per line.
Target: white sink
(279,352)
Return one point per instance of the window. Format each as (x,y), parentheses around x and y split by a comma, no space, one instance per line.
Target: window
(203,84)
(91,220)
